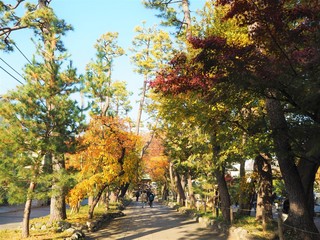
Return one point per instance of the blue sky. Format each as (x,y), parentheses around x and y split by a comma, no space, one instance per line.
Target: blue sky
(90,20)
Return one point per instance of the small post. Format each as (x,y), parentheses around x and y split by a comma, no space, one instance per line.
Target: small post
(280,229)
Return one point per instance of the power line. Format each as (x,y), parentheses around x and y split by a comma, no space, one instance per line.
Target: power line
(11,67)
(11,75)
(22,53)
(34,94)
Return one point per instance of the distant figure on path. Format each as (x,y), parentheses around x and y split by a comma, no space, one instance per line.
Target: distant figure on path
(144,198)
(137,195)
(151,198)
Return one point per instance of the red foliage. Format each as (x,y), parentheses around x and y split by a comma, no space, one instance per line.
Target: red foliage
(284,51)
(180,77)
(212,42)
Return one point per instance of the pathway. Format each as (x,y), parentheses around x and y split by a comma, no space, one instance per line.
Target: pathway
(11,217)
(157,223)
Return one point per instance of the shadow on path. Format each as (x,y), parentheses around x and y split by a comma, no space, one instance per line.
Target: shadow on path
(159,223)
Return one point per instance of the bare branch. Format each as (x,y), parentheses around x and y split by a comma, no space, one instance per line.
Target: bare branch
(8,30)
(9,6)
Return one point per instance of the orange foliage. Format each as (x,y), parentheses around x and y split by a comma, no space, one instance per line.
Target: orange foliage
(155,162)
(108,153)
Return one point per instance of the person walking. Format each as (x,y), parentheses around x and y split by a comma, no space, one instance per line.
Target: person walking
(144,198)
(151,198)
(137,195)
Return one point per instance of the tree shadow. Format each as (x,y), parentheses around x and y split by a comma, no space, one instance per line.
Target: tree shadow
(159,222)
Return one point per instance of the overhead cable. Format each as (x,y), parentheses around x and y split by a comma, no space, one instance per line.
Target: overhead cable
(11,67)
(22,53)
(11,75)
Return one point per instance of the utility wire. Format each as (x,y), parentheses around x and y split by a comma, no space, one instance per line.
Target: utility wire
(18,72)
(22,53)
(11,75)
(11,67)
(34,94)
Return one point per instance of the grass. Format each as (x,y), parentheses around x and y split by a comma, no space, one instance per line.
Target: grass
(81,217)
(255,228)
(34,234)
(248,223)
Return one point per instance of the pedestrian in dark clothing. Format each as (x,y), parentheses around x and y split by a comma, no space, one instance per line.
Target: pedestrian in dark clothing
(137,195)
(151,198)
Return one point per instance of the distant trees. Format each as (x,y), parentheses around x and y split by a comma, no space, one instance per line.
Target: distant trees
(107,95)
(151,50)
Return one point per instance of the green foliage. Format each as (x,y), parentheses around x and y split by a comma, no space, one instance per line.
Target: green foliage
(39,120)
(170,12)
(279,188)
(213,23)
(109,97)
(152,49)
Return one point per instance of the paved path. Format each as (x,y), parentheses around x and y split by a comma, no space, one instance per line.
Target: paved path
(157,223)
(11,217)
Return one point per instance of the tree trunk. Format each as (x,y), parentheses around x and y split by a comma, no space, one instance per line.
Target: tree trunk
(223,194)
(107,193)
(187,18)
(165,192)
(143,96)
(103,198)
(90,200)
(299,215)
(172,185)
(183,182)
(262,166)
(95,201)
(219,173)
(182,196)
(106,105)
(58,203)
(27,211)
(123,190)
(191,193)
(307,170)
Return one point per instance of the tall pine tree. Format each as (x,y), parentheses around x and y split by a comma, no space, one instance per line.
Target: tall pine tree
(39,117)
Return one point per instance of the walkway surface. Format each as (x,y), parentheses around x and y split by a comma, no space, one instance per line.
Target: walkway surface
(11,216)
(157,223)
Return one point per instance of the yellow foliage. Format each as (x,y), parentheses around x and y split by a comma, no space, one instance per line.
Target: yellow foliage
(231,29)
(109,154)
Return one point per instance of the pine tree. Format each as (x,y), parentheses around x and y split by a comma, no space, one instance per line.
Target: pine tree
(40,118)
